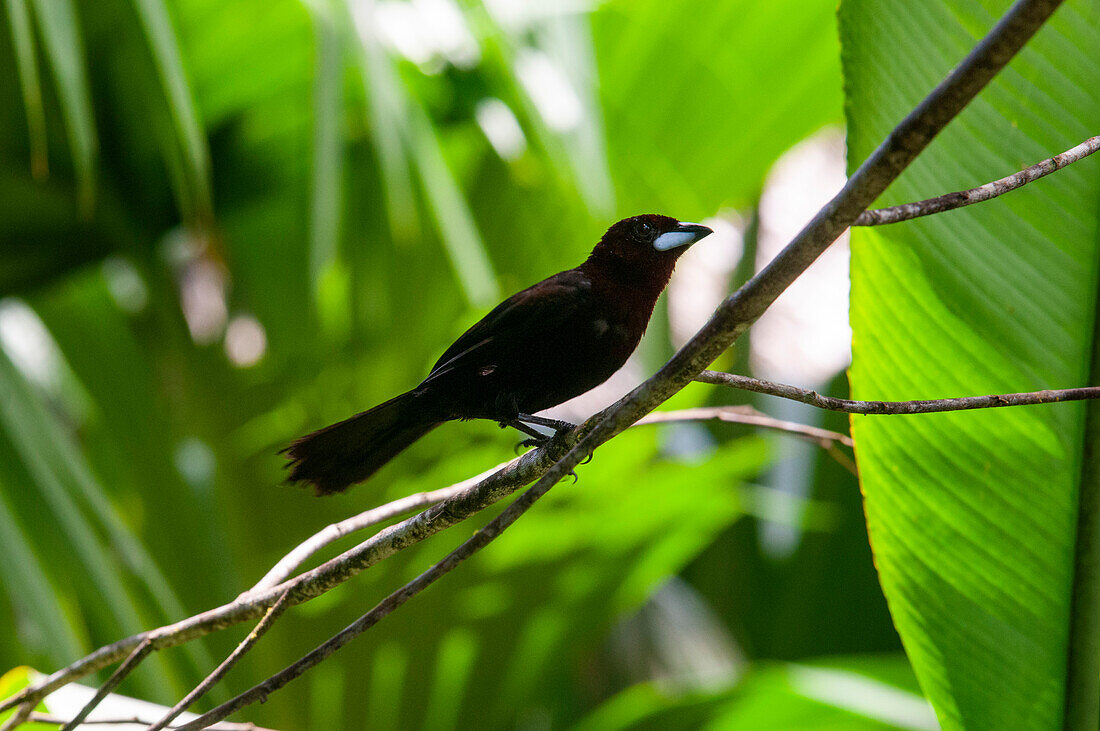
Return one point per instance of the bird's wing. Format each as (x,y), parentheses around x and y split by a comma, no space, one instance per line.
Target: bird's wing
(527,314)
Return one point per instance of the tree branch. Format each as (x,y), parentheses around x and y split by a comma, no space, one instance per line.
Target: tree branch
(461,501)
(21,715)
(47,718)
(750,417)
(333,532)
(117,677)
(927,406)
(731,318)
(219,672)
(252,604)
(958,199)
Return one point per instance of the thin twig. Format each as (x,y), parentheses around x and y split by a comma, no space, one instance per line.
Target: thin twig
(731,318)
(958,199)
(333,532)
(252,604)
(284,569)
(117,677)
(925,406)
(480,539)
(219,672)
(47,718)
(22,714)
(750,417)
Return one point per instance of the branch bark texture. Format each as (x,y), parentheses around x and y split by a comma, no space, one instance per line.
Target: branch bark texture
(926,406)
(959,199)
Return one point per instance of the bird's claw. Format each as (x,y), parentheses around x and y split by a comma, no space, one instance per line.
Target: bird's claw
(529,443)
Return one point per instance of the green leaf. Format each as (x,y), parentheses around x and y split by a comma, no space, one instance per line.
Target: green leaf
(29,84)
(325,190)
(28,588)
(972,515)
(58,25)
(11,683)
(64,486)
(697,113)
(406,138)
(192,169)
(853,692)
(453,218)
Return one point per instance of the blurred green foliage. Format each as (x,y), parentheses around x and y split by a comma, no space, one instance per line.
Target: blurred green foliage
(187,185)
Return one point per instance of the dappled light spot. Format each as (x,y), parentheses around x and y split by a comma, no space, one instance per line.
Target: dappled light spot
(427,32)
(28,343)
(125,284)
(501,128)
(804,337)
(550,90)
(195,461)
(245,341)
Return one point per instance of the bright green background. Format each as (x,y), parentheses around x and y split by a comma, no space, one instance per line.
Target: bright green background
(361,216)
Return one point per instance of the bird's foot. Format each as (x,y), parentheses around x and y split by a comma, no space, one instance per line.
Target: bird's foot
(532,442)
(536,438)
(527,423)
(556,424)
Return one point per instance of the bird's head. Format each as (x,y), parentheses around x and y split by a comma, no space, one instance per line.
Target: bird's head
(649,239)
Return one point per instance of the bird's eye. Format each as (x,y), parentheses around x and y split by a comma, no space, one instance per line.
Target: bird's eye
(644,230)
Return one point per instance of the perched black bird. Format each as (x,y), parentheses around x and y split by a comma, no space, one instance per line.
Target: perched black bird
(538,348)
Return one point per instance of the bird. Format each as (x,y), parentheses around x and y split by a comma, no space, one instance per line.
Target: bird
(540,347)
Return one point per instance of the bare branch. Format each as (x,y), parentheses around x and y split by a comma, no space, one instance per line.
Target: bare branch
(253,604)
(479,540)
(949,201)
(47,718)
(926,406)
(22,714)
(220,671)
(117,677)
(750,417)
(333,532)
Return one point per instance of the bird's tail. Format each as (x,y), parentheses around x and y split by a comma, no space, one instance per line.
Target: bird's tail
(336,457)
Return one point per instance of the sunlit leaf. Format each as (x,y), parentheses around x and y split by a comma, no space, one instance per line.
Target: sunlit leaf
(700,98)
(328,155)
(57,23)
(873,694)
(29,84)
(972,515)
(28,588)
(194,158)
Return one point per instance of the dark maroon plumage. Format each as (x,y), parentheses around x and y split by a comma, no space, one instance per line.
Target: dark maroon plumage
(538,348)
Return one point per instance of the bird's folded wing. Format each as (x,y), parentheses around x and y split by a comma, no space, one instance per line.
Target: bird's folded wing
(524,317)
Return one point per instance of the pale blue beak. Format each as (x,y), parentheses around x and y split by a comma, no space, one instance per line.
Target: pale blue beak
(683,235)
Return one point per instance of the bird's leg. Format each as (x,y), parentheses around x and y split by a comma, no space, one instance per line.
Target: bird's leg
(523,422)
(537,438)
(555,424)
